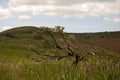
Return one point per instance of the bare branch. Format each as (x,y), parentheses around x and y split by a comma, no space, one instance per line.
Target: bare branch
(69,50)
(54,40)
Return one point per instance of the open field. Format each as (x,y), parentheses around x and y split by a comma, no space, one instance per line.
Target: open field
(18,62)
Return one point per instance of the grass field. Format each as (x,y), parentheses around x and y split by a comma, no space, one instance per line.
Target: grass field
(17,62)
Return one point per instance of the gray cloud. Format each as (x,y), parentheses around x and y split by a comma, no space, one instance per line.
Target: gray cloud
(78,8)
(116,20)
(5,13)
(24,17)
(56,2)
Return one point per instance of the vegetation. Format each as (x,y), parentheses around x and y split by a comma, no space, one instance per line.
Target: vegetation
(30,53)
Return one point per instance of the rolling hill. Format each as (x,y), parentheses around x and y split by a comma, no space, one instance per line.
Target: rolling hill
(23,38)
(17,58)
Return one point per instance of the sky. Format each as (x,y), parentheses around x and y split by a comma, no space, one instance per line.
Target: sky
(75,15)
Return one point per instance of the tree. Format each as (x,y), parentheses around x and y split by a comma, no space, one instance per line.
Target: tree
(59,28)
(68,48)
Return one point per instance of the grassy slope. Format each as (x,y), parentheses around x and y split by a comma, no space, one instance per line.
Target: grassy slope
(16,60)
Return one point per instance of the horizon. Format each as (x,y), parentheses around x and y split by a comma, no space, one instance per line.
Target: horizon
(53,27)
(76,16)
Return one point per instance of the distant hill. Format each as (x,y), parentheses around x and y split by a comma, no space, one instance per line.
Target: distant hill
(25,36)
(28,30)
(23,31)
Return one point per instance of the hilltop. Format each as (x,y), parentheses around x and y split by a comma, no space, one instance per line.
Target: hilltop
(22,32)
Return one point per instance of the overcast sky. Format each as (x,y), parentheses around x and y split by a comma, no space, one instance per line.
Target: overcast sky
(74,15)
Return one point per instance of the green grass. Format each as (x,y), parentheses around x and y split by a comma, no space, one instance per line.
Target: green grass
(16,59)
(60,70)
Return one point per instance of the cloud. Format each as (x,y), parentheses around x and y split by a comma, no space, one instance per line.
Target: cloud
(6,27)
(116,20)
(4,13)
(78,8)
(24,17)
(16,3)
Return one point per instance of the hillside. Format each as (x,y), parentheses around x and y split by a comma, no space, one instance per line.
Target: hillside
(16,45)
(108,40)
(21,32)
(24,38)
